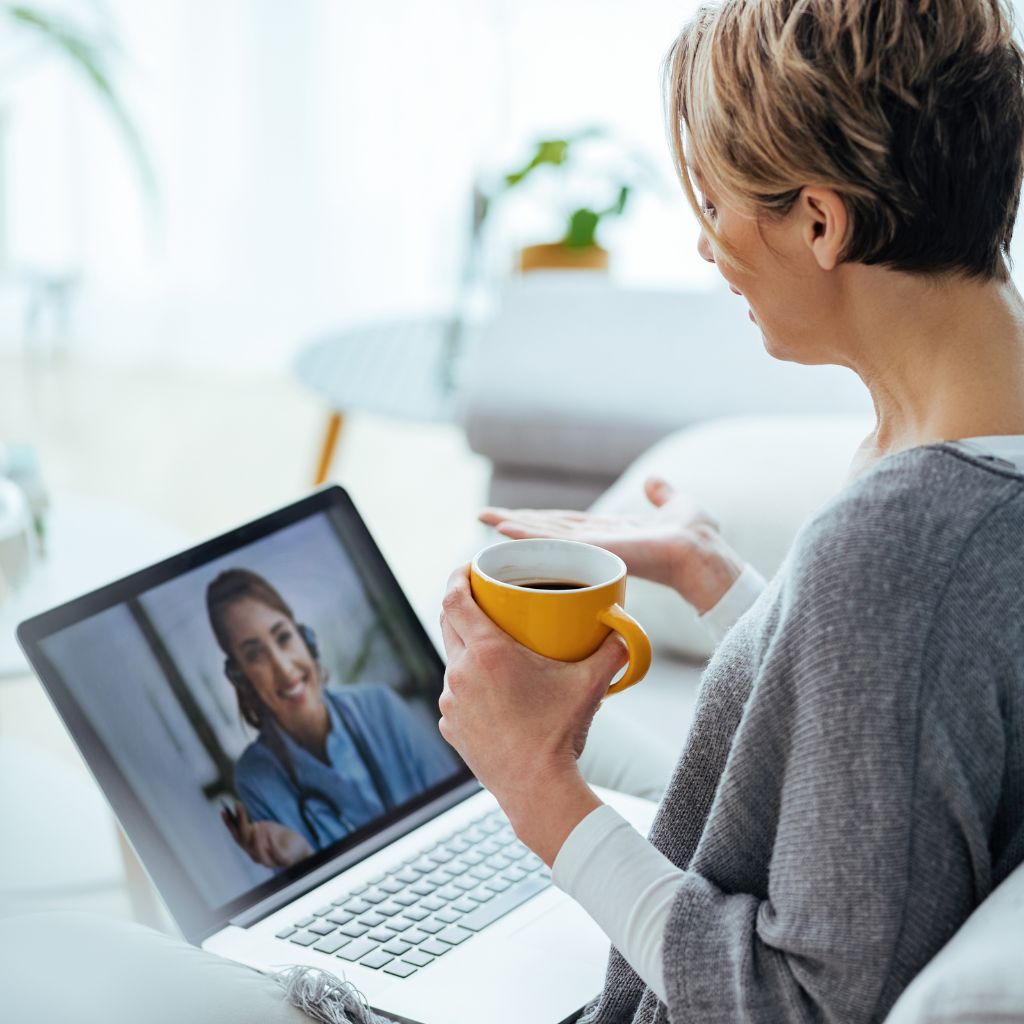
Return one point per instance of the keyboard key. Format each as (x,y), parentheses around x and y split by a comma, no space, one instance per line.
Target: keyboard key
(492,825)
(374,896)
(418,957)
(513,875)
(376,879)
(378,959)
(357,906)
(285,933)
(433,902)
(515,852)
(389,909)
(353,929)
(481,895)
(420,912)
(431,927)
(415,936)
(423,866)
(323,927)
(440,877)
(497,885)
(405,899)
(399,969)
(472,857)
(457,845)
(390,886)
(448,893)
(362,887)
(307,938)
(399,924)
(501,905)
(397,946)
(372,919)
(440,855)
(465,884)
(448,915)
(422,888)
(407,875)
(482,871)
(354,950)
(498,862)
(306,921)
(454,935)
(463,905)
(324,911)
(333,944)
(434,948)
(339,917)
(380,935)
(488,847)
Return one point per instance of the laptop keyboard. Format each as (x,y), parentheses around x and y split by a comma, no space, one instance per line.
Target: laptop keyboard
(403,920)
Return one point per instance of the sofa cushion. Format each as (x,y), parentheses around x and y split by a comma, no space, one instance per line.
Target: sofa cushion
(759,476)
(574,374)
(977,978)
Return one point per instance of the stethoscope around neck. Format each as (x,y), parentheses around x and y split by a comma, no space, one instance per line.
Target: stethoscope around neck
(304,795)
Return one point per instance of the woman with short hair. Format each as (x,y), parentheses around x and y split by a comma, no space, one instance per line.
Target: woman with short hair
(853,783)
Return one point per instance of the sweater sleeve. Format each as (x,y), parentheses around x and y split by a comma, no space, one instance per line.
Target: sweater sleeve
(822,771)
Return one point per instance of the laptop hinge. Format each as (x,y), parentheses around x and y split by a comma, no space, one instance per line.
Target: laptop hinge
(343,861)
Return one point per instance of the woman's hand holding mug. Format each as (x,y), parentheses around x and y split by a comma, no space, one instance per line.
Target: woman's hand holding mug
(676,543)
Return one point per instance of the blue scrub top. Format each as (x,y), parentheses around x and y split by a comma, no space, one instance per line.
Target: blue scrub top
(409,756)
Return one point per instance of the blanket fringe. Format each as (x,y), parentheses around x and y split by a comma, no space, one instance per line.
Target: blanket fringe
(325,998)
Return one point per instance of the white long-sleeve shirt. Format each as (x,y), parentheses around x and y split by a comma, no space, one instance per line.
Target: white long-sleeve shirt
(615,874)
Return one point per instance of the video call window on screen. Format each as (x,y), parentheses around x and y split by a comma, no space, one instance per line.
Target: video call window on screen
(263,706)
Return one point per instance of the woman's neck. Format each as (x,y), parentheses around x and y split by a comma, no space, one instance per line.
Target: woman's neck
(942,358)
(312,730)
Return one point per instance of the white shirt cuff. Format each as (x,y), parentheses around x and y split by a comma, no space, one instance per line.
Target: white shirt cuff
(625,884)
(734,602)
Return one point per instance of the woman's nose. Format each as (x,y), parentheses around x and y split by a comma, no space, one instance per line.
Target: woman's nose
(704,248)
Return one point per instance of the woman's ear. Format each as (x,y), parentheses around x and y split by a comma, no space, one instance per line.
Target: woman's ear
(824,224)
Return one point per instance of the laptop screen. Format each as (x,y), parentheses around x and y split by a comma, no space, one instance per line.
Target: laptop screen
(267,702)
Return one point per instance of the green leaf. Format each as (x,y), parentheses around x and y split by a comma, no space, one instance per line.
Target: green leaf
(550,151)
(88,58)
(582,227)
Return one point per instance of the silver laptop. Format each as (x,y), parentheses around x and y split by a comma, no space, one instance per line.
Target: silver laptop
(261,713)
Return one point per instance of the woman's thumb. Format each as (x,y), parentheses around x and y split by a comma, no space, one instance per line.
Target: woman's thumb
(611,656)
(658,491)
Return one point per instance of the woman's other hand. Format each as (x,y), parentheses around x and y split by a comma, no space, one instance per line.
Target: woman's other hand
(520,720)
(266,842)
(676,543)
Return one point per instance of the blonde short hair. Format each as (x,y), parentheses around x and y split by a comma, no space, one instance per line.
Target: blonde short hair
(912,110)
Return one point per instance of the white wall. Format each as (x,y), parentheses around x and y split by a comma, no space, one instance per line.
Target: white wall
(315,160)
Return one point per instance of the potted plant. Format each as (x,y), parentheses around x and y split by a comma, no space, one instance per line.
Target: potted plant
(588,162)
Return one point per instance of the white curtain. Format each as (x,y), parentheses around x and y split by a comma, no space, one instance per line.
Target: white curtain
(315,160)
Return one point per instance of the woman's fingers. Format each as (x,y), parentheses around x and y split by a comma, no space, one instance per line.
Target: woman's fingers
(461,612)
(658,491)
(229,823)
(244,825)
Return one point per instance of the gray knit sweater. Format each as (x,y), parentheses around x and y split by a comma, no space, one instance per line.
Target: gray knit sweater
(853,782)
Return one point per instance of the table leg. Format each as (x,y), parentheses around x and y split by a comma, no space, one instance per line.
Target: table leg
(334,424)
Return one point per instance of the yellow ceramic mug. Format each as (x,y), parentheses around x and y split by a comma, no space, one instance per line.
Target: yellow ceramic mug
(520,586)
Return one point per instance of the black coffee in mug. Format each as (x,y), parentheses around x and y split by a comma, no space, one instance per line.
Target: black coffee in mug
(550,584)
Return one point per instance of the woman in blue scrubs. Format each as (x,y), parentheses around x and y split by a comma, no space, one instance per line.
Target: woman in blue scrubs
(325,762)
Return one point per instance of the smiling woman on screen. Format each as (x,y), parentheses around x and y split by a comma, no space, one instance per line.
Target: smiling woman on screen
(325,761)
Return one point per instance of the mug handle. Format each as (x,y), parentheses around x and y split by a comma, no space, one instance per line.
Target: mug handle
(637,642)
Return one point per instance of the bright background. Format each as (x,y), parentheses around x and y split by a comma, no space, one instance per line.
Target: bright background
(315,162)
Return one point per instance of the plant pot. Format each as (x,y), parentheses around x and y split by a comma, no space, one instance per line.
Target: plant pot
(558,256)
